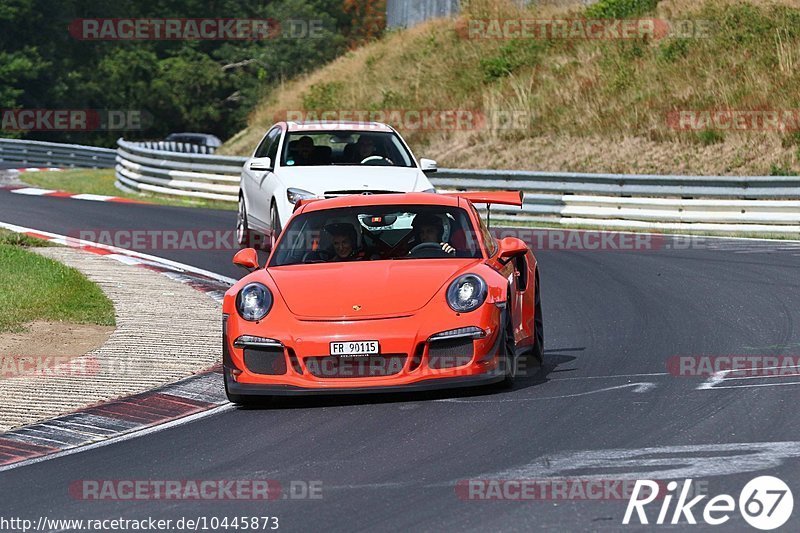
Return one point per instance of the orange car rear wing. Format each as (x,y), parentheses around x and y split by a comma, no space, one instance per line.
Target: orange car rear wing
(490,197)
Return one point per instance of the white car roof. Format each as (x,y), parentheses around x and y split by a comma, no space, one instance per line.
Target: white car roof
(343,125)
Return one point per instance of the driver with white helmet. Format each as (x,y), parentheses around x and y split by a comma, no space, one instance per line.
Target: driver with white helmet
(429,229)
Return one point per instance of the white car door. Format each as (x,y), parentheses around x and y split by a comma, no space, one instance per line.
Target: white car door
(253,180)
(270,184)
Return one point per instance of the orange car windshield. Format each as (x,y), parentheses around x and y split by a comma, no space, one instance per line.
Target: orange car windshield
(378,233)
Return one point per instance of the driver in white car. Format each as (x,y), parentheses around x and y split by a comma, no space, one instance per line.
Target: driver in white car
(365,147)
(429,228)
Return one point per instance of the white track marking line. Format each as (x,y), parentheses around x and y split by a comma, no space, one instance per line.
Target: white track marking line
(754,385)
(32,191)
(771,376)
(637,388)
(124,259)
(35,191)
(613,376)
(38,169)
(719,377)
(92,197)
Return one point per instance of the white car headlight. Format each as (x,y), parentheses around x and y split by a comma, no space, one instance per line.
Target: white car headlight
(294,195)
(254,302)
(466,293)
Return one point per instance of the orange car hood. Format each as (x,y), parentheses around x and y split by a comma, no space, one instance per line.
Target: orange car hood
(360,290)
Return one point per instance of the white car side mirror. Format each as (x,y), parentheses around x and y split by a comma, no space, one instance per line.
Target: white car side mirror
(261,164)
(428,166)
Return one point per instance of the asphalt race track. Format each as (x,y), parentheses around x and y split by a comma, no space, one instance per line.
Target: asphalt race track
(612,321)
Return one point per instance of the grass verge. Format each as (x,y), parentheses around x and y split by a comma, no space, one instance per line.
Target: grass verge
(9,238)
(101,181)
(33,287)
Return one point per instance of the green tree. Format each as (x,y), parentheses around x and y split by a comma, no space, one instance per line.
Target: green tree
(208,86)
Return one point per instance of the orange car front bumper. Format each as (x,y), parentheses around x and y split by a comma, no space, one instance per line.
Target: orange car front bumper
(413,355)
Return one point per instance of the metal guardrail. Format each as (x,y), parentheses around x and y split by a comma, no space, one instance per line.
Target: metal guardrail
(213,177)
(647,185)
(707,203)
(730,204)
(39,153)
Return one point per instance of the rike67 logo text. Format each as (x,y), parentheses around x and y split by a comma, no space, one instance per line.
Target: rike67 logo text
(765,503)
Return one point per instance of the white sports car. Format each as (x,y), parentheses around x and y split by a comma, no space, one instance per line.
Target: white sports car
(321,159)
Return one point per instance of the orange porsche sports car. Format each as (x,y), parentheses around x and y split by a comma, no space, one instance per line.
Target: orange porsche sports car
(378,293)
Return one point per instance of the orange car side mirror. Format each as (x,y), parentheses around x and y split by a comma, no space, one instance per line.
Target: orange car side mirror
(247,258)
(511,247)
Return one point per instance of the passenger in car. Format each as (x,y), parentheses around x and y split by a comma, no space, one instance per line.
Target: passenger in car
(344,243)
(305,151)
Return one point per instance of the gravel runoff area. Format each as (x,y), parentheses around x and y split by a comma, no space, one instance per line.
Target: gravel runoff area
(166,330)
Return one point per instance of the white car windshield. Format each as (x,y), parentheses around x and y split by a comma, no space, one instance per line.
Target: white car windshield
(377,148)
(375,233)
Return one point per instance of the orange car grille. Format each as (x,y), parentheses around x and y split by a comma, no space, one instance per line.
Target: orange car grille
(266,361)
(450,353)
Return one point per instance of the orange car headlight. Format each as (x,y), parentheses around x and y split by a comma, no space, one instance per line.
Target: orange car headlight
(466,293)
(254,302)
